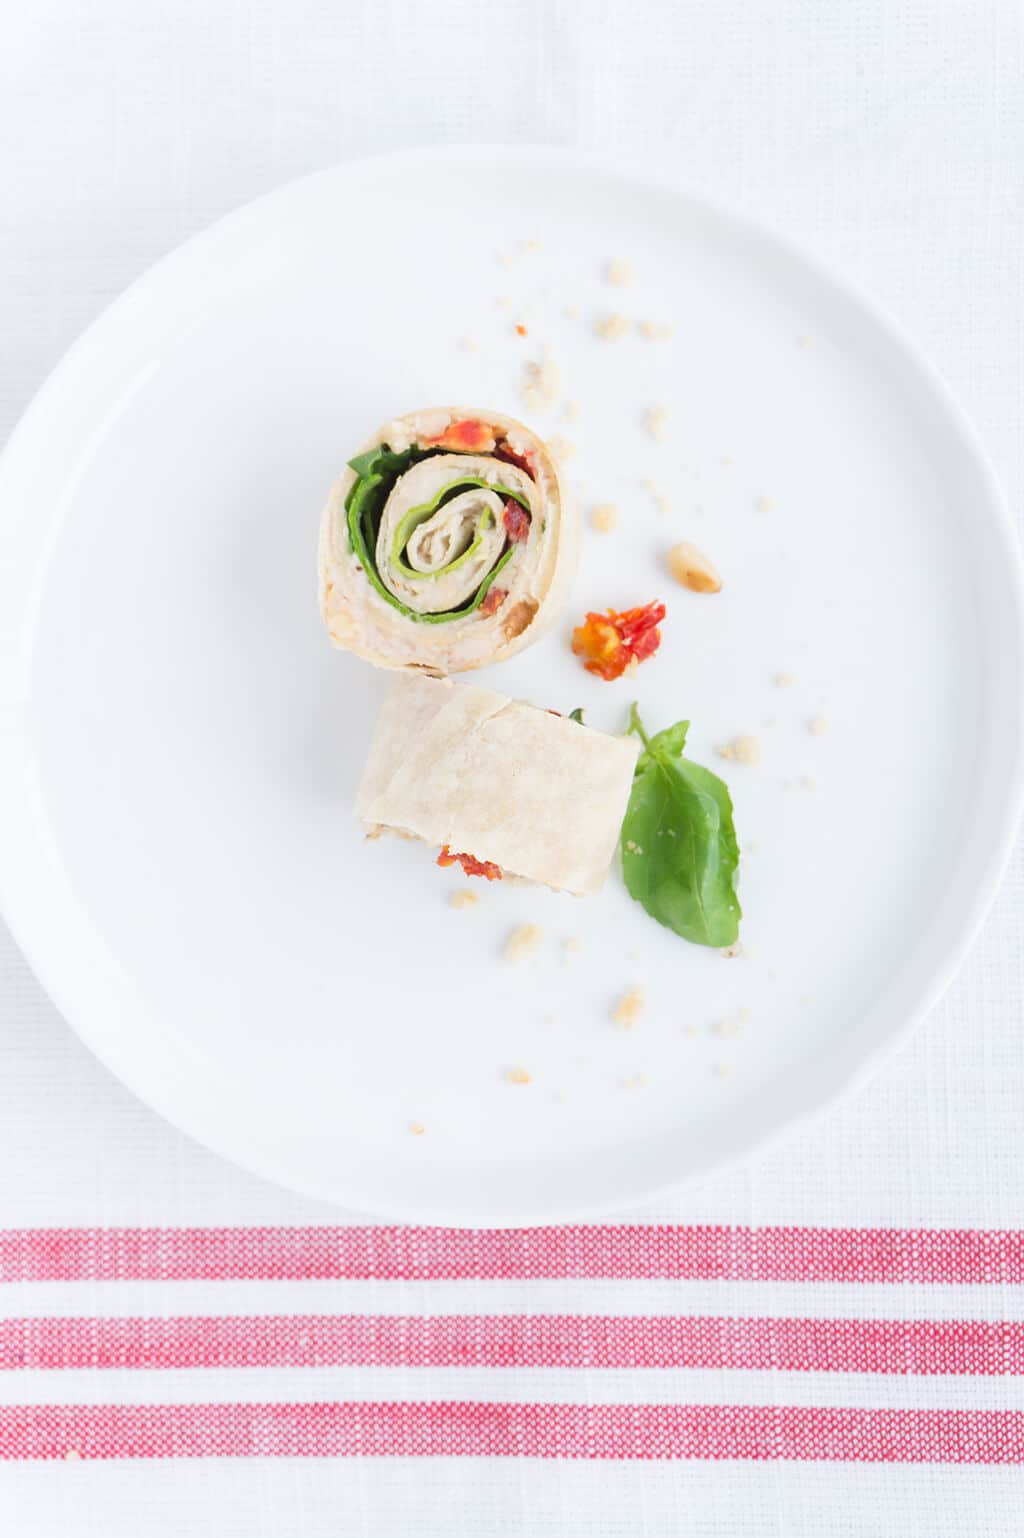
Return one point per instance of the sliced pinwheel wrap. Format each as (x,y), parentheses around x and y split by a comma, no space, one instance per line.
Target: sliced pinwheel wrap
(536,794)
(447,544)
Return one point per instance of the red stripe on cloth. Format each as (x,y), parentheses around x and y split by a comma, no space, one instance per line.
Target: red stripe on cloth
(765,1433)
(783,1345)
(430,1254)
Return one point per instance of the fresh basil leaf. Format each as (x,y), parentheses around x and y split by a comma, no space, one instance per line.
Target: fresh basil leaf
(577,715)
(679,851)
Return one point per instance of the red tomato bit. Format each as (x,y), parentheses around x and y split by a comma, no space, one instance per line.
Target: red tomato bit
(493,600)
(471,866)
(521,461)
(610,642)
(468,437)
(516,520)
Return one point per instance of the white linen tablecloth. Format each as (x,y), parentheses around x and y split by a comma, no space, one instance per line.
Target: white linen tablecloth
(889,136)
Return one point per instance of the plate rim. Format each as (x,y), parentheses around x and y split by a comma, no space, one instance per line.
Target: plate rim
(996,510)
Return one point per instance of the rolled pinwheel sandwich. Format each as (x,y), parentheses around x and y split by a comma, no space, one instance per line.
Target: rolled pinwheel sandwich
(447,544)
(501,786)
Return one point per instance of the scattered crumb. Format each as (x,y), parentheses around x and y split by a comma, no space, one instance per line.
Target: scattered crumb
(604,517)
(532,245)
(633,1081)
(417,1128)
(469,344)
(656,422)
(763,504)
(523,941)
(727,461)
(654,330)
(520,329)
(541,385)
(817,726)
(570,411)
(618,272)
(720,1070)
(742,750)
(783,680)
(736,949)
(691,568)
(562,448)
(517,1076)
(610,327)
(502,302)
(572,946)
(725,1028)
(743,1014)
(463,899)
(808,782)
(628,1010)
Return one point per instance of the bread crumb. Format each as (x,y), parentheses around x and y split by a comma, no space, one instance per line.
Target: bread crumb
(520,329)
(817,726)
(517,1076)
(742,750)
(610,327)
(532,245)
(469,344)
(736,949)
(417,1128)
(654,330)
(523,941)
(656,422)
(604,517)
(783,680)
(503,302)
(540,385)
(562,448)
(725,1028)
(633,1081)
(463,899)
(763,504)
(570,411)
(628,1010)
(618,272)
(692,568)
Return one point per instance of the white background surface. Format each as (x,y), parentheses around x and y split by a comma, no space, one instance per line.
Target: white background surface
(890,137)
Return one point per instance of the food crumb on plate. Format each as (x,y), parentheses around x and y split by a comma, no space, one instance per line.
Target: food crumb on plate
(654,330)
(743,749)
(633,1081)
(763,504)
(604,517)
(731,951)
(629,1008)
(725,1027)
(523,941)
(502,302)
(656,422)
(817,726)
(417,1128)
(783,680)
(692,569)
(570,411)
(469,344)
(461,899)
(618,272)
(540,384)
(572,946)
(517,1076)
(610,327)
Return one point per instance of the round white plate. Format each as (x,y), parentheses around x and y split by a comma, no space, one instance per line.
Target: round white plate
(181,746)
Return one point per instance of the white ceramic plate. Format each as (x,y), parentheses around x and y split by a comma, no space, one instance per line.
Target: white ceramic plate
(181,746)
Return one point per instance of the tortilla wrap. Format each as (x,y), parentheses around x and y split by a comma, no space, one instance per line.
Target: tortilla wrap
(449,543)
(538,794)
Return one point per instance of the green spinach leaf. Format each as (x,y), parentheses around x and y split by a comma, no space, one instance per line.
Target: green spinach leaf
(679,849)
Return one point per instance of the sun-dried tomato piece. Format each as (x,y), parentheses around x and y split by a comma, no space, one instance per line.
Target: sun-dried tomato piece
(468,437)
(523,462)
(493,600)
(608,643)
(516,520)
(470,865)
